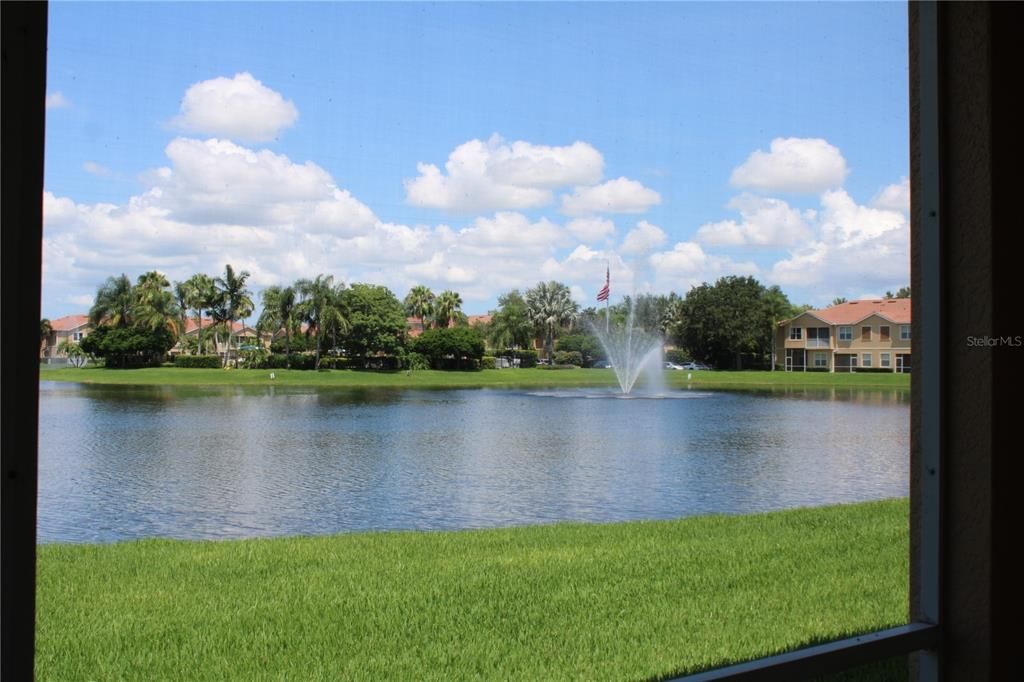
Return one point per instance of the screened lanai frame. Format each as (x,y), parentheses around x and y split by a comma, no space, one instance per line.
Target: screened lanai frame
(24,86)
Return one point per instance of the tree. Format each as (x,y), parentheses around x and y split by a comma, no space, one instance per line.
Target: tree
(114,304)
(419,302)
(586,345)
(450,348)
(551,310)
(447,307)
(320,308)
(838,300)
(181,300)
(45,329)
(202,296)
(74,353)
(777,308)
(279,310)
(725,320)
(510,325)
(376,321)
(154,304)
(128,346)
(236,300)
(904,292)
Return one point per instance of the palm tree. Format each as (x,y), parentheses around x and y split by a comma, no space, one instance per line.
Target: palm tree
(181,300)
(420,303)
(237,302)
(320,308)
(279,311)
(45,329)
(155,306)
(115,302)
(202,295)
(551,308)
(447,307)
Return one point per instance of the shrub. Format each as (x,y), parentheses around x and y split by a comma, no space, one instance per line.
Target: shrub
(451,348)
(279,361)
(197,361)
(568,357)
(487,362)
(416,361)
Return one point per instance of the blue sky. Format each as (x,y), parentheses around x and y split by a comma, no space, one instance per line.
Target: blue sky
(479,147)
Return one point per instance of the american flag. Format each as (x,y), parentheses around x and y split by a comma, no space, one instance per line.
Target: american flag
(605,290)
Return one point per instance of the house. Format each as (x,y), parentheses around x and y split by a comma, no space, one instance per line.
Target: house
(71,328)
(217,342)
(871,334)
(415,326)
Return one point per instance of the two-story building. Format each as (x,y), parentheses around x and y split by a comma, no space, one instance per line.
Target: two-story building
(867,334)
(72,328)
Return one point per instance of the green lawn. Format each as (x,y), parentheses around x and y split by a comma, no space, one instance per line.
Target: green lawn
(512,378)
(627,601)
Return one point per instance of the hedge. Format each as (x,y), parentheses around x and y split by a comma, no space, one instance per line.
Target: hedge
(488,362)
(198,361)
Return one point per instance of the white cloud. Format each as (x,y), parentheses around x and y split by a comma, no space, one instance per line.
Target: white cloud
(241,108)
(57,100)
(591,229)
(96,169)
(688,265)
(894,197)
(509,232)
(857,247)
(805,165)
(217,181)
(493,175)
(643,238)
(766,222)
(615,196)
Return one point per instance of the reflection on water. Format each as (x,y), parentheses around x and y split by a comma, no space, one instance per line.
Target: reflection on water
(217,462)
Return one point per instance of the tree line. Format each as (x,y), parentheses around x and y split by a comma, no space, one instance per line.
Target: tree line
(729,323)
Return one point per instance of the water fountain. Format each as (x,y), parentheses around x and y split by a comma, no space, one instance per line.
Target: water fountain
(632,350)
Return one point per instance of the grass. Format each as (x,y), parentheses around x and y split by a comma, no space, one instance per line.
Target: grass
(496,378)
(625,601)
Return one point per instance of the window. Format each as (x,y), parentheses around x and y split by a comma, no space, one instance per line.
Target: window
(883,333)
(865,333)
(904,332)
(865,360)
(846,333)
(821,359)
(817,337)
(885,360)
(796,333)
(77,336)
(907,334)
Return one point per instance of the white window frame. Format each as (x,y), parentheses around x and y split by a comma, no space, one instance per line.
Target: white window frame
(846,333)
(865,360)
(904,332)
(796,333)
(885,360)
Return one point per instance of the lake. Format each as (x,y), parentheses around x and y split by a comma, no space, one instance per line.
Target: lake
(118,462)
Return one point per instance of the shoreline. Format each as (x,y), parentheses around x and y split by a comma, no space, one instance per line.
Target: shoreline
(487,378)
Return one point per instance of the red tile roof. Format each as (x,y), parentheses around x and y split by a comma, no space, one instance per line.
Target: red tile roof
(69,323)
(191,326)
(896,310)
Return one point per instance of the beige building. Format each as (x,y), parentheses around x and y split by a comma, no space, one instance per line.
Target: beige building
(869,334)
(71,328)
